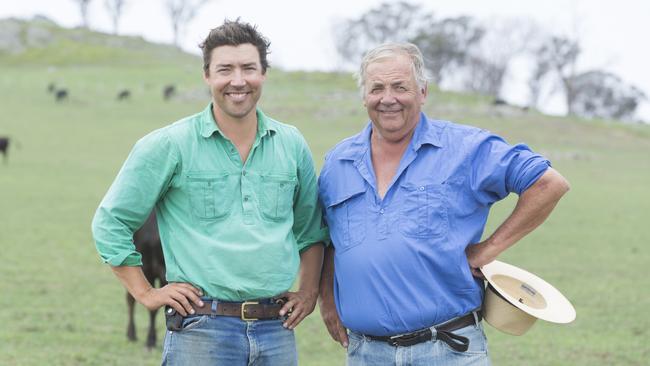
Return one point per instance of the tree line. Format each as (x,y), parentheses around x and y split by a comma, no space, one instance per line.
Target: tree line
(475,56)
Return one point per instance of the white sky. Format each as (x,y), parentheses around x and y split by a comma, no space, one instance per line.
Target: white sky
(611,32)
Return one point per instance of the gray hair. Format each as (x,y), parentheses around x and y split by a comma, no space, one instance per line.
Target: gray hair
(388,50)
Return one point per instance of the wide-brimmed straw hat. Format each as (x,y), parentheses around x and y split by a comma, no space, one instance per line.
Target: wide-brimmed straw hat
(515,299)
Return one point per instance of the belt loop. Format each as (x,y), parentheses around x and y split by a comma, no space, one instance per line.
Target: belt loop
(476,320)
(213,307)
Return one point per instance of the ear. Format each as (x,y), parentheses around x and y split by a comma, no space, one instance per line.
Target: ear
(425,92)
(206,76)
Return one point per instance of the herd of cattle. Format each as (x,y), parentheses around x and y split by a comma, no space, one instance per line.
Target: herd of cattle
(61,93)
(146,239)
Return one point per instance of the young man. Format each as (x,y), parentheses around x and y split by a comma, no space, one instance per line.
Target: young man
(236,200)
(406,203)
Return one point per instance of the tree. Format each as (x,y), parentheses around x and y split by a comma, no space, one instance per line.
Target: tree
(181,13)
(388,22)
(115,10)
(483,77)
(556,55)
(445,44)
(489,59)
(83,10)
(604,95)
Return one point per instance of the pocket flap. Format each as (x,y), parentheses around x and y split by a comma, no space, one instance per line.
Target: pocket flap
(340,194)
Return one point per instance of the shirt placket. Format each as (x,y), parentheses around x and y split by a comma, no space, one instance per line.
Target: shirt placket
(248,186)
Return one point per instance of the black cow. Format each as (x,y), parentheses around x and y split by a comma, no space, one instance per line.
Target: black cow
(168,92)
(124,94)
(61,95)
(498,102)
(147,243)
(4,147)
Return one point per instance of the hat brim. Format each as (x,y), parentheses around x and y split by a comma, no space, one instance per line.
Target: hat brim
(529,293)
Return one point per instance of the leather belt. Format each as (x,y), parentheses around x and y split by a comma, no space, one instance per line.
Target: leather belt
(443,333)
(247,310)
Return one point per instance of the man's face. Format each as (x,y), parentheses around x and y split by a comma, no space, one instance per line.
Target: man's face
(393,97)
(235,79)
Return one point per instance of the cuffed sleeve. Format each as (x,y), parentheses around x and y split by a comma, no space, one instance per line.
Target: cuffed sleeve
(142,180)
(499,168)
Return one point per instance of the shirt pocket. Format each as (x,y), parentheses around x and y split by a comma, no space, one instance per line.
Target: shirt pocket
(210,196)
(347,220)
(424,211)
(276,197)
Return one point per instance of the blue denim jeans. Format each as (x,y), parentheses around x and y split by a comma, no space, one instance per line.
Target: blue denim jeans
(226,340)
(363,351)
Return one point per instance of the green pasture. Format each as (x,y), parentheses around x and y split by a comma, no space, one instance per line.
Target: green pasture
(61,306)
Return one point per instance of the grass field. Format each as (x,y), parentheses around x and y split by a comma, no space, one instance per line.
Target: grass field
(62,306)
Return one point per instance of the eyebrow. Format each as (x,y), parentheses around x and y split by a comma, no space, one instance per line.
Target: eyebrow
(231,65)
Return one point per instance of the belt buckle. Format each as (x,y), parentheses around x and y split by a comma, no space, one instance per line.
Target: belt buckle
(407,340)
(243,308)
(394,340)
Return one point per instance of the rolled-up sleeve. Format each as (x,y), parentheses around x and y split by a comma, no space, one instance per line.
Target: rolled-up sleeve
(308,225)
(142,180)
(499,168)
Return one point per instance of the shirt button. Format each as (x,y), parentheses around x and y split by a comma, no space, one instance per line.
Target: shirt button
(381,211)
(422,188)
(244,173)
(246,198)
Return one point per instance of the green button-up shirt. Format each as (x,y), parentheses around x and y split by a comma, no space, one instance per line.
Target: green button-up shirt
(231,228)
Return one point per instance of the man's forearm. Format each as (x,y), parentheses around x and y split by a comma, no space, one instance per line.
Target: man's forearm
(326,287)
(133,280)
(311,261)
(532,209)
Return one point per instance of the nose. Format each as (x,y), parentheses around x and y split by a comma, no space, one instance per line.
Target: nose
(387,97)
(237,79)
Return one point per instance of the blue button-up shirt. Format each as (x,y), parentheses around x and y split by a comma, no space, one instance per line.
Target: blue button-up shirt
(400,262)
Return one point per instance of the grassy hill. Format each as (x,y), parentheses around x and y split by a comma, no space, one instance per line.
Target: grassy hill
(43,42)
(61,306)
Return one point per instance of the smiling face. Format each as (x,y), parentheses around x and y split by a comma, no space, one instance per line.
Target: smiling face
(392,97)
(235,78)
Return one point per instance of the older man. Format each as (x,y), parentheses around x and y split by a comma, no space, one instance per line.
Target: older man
(406,203)
(237,205)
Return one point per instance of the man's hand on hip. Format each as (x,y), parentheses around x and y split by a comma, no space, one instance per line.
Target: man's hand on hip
(299,304)
(177,295)
(479,255)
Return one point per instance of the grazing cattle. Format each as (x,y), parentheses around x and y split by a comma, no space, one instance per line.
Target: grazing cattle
(51,87)
(168,92)
(61,95)
(124,94)
(147,243)
(4,147)
(499,101)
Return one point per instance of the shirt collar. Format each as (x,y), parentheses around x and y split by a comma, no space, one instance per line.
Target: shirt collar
(426,132)
(360,144)
(209,126)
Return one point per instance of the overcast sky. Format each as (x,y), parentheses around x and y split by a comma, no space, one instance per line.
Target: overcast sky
(612,32)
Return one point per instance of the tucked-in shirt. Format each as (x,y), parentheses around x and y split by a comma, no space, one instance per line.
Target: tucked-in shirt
(233,229)
(400,262)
